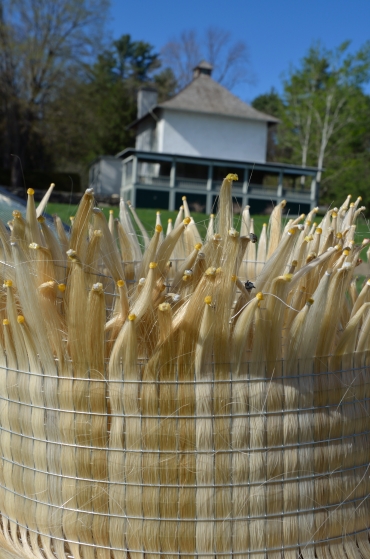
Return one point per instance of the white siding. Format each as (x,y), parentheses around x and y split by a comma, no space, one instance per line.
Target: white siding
(105,175)
(160,135)
(213,136)
(146,137)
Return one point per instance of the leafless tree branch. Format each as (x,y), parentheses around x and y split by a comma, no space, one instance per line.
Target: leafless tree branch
(230,60)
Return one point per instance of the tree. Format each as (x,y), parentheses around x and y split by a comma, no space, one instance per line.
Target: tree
(104,102)
(321,102)
(324,116)
(271,104)
(42,44)
(166,84)
(230,60)
(348,162)
(129,59)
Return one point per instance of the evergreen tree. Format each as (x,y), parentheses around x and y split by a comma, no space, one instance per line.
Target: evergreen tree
(90,115)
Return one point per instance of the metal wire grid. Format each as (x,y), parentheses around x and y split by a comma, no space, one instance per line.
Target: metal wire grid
(354,392)
(231,553)
(351,397)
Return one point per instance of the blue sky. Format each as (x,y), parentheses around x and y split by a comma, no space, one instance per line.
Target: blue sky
(278,32)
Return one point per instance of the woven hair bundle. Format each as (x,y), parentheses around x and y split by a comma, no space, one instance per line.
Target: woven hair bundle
(165,397)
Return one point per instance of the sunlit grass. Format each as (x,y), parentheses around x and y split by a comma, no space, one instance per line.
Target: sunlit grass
(148,218)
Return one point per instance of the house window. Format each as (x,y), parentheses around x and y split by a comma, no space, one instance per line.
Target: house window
(196,202)
(191,171)
(154,199)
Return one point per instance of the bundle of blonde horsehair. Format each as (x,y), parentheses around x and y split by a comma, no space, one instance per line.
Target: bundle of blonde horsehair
(175,397)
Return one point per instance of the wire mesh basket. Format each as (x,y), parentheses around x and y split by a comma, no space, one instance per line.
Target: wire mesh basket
(254,465)
(145,408)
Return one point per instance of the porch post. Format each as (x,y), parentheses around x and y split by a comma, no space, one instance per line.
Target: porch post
(209,190)
(279,193)
(133,195)
(134,181)
(134,169)
(314,193)
(245,187)
(172,197)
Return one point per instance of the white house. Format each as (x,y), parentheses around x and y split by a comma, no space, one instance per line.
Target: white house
(203,120)
(105,175)
(184,146)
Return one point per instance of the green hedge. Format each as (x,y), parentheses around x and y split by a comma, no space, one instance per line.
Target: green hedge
(41,180)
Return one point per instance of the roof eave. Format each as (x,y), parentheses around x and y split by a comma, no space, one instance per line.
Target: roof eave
(274,121)
(268,119)
(150,113)
(179,156)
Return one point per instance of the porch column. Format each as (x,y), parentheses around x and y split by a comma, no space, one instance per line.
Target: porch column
(209,190)
(314,193)
(279,192)
(172,193)
(134,170)
(132,193)
(245,187)
(124,180)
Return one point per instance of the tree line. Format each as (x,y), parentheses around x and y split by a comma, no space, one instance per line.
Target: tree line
(68,94)
(324,114)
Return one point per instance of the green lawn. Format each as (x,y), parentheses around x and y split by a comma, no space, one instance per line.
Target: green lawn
(148,218)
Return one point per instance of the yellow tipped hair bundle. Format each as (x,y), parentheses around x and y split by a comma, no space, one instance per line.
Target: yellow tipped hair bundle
(174,395)
(98,287)
(164,307)
(232,177)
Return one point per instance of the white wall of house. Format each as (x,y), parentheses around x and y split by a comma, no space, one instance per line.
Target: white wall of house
(219,137)
(146,136)
(105,175)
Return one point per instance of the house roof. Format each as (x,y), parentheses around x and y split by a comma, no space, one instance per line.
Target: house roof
(272,166)
(203,64)
(205,95)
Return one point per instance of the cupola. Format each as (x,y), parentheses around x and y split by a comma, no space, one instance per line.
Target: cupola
(203,67)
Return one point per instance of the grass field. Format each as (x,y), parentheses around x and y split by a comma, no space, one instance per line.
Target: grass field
(148,217)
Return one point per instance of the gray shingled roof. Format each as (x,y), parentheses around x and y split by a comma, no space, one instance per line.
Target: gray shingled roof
(205,95)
